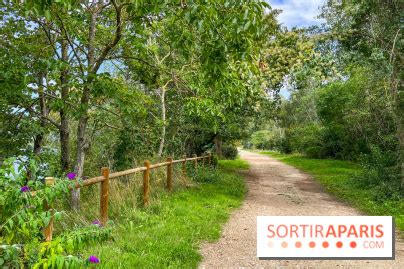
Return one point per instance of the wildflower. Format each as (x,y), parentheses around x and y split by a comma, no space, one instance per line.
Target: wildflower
(97,222)
(93,259)
(71,175)
(24,189)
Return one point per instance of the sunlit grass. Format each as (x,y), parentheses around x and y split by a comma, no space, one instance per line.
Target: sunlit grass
(233,165)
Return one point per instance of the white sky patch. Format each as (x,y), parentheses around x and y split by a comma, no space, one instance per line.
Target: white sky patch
(298,13)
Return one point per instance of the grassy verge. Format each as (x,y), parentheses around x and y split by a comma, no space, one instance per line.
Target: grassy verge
(338,178)
(233,165)
(168,232)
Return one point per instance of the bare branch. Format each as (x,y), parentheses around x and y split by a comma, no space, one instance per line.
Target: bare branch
(165,57)
(394,45)
(117,37)
(112,127)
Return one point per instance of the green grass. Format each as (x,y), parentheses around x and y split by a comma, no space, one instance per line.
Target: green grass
(169,232)
(338,178)
(233,165)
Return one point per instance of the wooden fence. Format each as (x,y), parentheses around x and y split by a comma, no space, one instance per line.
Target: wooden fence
(106,176)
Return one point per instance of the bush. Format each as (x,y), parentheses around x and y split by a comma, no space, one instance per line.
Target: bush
(229,151)
(308,140)
(284,146)
(262,139)
(269,139)
(24,215)
(214,161)
(380,174)
(247,144)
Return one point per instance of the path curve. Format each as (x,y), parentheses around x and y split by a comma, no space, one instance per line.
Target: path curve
(279,189)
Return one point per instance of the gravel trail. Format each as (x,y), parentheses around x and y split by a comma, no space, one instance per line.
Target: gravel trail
(279,189)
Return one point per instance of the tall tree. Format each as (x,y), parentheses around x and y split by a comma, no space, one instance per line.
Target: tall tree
(372,32)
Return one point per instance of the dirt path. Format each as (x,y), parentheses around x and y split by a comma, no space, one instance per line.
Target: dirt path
(279,189)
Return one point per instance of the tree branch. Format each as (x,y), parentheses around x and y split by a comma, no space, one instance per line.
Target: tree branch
(72,45)
(51,42)
(132,58)
(31,110)
(394,45)
(117,37)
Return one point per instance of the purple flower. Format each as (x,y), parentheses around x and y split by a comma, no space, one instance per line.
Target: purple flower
(24,189)
(71,175)
(93,259)
(97,222)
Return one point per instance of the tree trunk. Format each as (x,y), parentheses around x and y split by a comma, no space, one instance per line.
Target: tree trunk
(93,66)
(218,146)
(64,132)
(163,119)
(38,140)
(82,144)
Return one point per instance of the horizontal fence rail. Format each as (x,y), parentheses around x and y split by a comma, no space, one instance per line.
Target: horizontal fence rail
(106,176)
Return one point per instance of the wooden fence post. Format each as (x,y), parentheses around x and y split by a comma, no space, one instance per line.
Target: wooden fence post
(210,159)
(170,173)
(195,161)
(104,193)
(48,230)
(203,160)
(184,168)
(146,188)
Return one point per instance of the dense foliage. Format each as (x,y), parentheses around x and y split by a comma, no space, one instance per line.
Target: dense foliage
(346,101)
(110,83)
(24,215)
(88,84)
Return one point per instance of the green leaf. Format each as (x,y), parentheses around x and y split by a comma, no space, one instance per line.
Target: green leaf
(247,25)
(47,14)
(246,14)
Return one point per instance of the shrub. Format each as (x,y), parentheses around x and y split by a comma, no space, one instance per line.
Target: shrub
(262,139)
(247,144)
(24,215)
(269,139)
(284,145)
(229,151)
(308,140)
(380,174)
(214,161)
